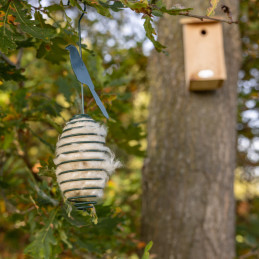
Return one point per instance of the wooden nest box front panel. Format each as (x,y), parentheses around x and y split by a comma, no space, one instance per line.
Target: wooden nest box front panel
(203,54)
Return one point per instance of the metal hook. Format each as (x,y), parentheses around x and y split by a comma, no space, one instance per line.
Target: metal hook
(80,50)
(79,29)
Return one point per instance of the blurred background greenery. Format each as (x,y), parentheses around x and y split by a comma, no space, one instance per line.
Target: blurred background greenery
(39,93)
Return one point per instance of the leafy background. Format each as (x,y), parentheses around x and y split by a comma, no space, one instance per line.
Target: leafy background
(39,93)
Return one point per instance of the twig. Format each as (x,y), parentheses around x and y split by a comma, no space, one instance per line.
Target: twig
(19,58)
(18,62)
(202,18)
(7,60)
(224,8)
(39,9)
(227,11)
(28,210)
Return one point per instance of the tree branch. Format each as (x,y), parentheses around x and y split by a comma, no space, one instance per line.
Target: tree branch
(18,62)
(202,18)
(223,7)
(19,58)
(6,59)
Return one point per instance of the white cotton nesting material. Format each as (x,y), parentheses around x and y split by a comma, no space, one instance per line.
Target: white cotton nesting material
(83,162)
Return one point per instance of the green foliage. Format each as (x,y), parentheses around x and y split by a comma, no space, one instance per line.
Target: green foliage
(39,93)
(150,32)
(146,251)
(36,28)
(7,40)
(10,72)
(247,235)
(44,241)
(248,101)
(115,7)
(16,23)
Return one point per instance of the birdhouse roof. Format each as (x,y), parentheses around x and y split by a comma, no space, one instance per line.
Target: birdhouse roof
(197,20)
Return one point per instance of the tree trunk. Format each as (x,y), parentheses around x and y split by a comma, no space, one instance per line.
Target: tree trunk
(188,201)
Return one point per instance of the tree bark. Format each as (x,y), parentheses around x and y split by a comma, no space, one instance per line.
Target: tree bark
(188,201)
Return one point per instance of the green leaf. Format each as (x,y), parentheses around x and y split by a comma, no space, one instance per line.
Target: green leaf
(9,72)
(8,139)
(47,169)
(31,26)
(41,51)
(19,100)
(116,6)
(55,7)
(63,237)
(157,13)
(137,5)
(146,251)
(75,3)
(64,87)
(159,3)
(25,43)
(53,51)
(6,43)
(150,32)
(44,241)
(76,218)
(102,10)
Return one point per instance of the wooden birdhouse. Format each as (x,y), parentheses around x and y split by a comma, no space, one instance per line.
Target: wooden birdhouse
(203,54)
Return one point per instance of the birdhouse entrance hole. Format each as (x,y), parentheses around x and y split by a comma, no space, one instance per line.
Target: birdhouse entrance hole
(203,32)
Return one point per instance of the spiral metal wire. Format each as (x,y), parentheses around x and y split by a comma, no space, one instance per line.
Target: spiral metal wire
(77,200)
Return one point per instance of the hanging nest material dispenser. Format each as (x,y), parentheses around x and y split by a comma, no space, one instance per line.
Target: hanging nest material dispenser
(84,163)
